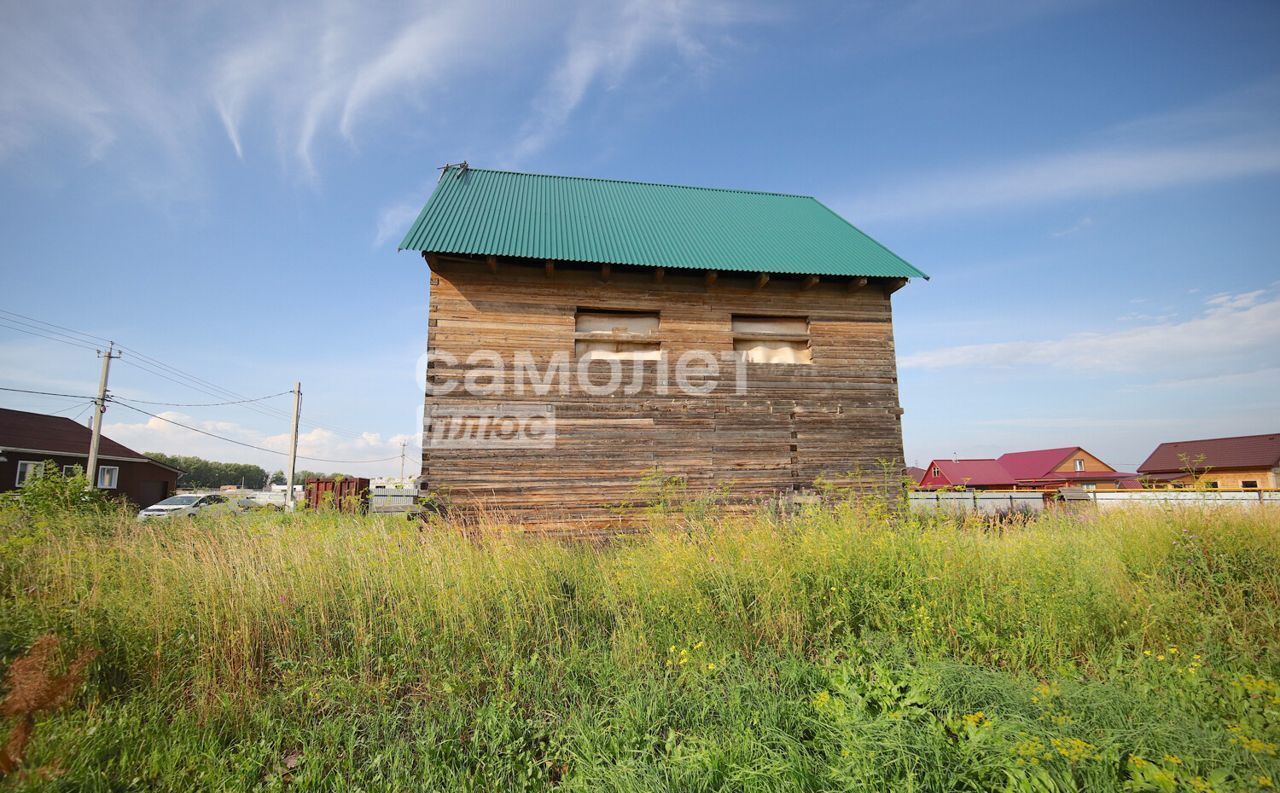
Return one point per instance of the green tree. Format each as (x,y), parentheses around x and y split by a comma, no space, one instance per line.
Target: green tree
(201,473)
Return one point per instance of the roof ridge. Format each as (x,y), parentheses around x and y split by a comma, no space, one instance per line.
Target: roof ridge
(649,184)
(1222,438)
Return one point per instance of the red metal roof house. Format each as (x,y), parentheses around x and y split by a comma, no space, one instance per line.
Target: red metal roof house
(1039,469)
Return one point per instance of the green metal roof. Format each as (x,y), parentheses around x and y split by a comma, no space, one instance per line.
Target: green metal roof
(566,218)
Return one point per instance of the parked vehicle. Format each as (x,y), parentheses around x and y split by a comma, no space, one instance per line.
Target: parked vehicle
(190,504)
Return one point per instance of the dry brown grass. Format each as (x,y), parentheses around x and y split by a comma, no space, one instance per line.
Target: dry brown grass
(34,688)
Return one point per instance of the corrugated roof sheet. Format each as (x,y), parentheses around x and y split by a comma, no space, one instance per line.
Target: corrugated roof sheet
(1035,464)
(501,213)
(973,473)
(1246,451)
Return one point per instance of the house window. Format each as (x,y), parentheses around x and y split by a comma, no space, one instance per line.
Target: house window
(772,339)
(1079,465)
(1089,486)
(1211,485)
(602,335)
(28,469)
(108,476)
(1249,484)
(71,470)
(937,471)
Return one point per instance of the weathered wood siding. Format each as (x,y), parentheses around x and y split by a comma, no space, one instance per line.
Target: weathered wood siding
(836,418)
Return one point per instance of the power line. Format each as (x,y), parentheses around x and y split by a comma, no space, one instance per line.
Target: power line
(95,339)
(194,429)
(46,393)
(249,445)
(3,323)
(157,368)
(204,404)
(81,405)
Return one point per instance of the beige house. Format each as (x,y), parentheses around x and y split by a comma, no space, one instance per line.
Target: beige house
(1247,462)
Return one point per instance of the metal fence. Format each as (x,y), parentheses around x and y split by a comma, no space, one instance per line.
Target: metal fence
(993,501)
(392,499)
(985,501)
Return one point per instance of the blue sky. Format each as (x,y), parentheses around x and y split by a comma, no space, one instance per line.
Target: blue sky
(1094,188)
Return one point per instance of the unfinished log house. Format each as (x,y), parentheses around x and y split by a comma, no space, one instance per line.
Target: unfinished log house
(753,333)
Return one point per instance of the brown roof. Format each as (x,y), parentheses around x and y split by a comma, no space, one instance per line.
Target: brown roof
(1246,451)
(57,435)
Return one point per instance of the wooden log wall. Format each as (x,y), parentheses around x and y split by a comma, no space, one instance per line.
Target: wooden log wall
(836,418)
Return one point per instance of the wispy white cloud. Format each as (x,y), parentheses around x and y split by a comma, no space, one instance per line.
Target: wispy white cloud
(135,79)
(394,219)
(1073,175)
(604,44)
(1233,136)
(86,73)
(1079,226)
(918,21)
(1234,333)
(326,69)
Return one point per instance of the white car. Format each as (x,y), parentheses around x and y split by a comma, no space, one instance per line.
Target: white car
(190,504)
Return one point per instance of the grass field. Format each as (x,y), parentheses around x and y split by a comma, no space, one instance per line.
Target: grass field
(842,649)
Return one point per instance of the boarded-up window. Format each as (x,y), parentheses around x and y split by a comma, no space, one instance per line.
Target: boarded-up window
(772,339)
(616,335)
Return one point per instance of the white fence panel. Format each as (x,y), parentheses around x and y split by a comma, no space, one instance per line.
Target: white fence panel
(985,501)
(992,501)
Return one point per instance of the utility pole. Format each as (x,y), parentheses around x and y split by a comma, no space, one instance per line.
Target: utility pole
(402,443)
(99,407)
(293,447)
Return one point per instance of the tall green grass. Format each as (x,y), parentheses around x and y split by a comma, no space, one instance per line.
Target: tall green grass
(843,648)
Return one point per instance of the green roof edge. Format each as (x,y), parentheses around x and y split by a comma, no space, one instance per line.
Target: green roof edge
(405,242)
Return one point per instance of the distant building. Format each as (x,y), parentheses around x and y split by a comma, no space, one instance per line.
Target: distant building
(982,474)
(1040,469)
(1245,462)
(914,473)
(29,440)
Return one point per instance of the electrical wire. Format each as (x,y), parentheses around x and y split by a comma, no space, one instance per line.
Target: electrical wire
(204,404)
(90,337)
(47,393)
(46,336)
(250,445)
(81,405)
(158,368)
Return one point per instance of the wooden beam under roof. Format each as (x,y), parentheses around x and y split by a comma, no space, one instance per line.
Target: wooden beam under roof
(659,273)
(712,275)
(810,282)
(855,284)
(550,268)
(492,261)
(761,280)
(892,285)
